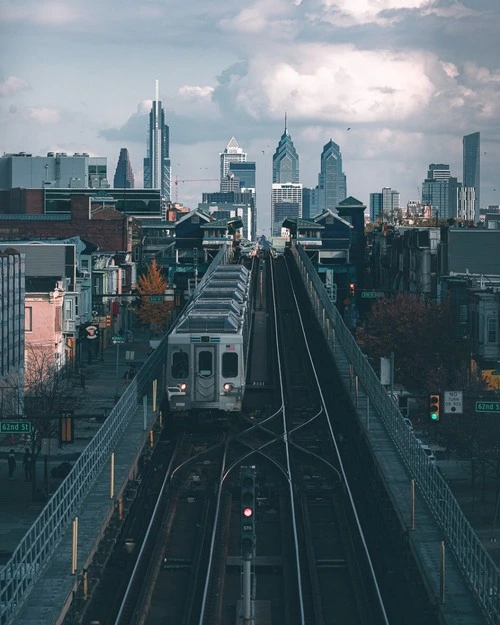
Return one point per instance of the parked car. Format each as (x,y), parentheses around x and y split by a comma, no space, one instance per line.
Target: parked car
(429,452)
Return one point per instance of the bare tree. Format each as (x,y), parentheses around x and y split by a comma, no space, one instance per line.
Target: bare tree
(49,395)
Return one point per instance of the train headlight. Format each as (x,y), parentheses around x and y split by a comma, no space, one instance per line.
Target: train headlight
(228,387)
(182,387)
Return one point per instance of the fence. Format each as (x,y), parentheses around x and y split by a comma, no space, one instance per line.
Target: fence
(476,564)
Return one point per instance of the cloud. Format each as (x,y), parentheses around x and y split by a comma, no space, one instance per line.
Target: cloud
(193,92)
(332,83)
(44,115)
(46,12)
(384,12)
(12,85)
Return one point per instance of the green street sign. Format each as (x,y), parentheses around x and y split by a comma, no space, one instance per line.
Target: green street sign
(15,427)
(488,406)
(368,294)
(156,298)
(118,338)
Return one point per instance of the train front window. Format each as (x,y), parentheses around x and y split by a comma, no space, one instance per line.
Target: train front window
(180,365)
(205,364)
(230,365)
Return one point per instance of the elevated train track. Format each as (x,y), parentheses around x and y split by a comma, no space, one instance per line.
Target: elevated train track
(323,551)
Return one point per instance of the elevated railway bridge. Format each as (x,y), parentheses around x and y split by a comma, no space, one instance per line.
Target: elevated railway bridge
(66,548)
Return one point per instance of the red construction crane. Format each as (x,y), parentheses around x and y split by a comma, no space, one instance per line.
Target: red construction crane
(177,180)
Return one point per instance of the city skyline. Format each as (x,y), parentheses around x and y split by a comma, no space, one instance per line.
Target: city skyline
(396,84)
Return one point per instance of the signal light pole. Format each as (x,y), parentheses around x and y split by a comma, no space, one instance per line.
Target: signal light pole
(247,516)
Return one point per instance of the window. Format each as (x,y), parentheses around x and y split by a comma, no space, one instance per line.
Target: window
(69,314)
(205,366)
(180,365)
(229,365)
(492,330)
(28,319)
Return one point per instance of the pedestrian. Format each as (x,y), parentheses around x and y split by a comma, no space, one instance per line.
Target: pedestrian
(27,459)
(11,459)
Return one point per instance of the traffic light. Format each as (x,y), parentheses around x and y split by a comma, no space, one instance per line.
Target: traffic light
(434,406)
(108,321)
(247,512)
(352,289)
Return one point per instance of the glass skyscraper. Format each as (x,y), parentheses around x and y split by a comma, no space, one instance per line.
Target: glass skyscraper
(285,160)
(332,186)
(124,178)
(471,166)
(232,154)
(157,166)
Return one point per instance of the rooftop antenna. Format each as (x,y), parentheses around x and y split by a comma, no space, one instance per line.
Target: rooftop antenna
(286,131)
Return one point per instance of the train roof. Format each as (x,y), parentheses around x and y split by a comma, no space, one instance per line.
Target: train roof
(219,305)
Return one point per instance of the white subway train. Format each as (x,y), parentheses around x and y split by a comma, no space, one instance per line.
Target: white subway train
(208,347)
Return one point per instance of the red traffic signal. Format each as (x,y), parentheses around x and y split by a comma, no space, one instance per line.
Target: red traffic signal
(352,288)
(247,512)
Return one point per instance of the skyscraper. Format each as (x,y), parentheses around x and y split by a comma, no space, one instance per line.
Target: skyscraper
(286,199)
(440,190)
(332,186)
(124,178)
(285,160)
(471,166)
(232,154)
(157,167)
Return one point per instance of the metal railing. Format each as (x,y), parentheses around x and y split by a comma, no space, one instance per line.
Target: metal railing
(477,566)
(33,552)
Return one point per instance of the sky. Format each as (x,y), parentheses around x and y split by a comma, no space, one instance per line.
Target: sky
(395,83)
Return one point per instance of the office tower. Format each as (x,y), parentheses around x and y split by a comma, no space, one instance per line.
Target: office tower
(232,154)
(157,166)
(226,204)
(286,202)
(124,178)
(285,160)
(56,170)
(376,206)
(471,166)
(332,184)
(466,203)
(286,198)
(244,172)
(390,203)
(440,190)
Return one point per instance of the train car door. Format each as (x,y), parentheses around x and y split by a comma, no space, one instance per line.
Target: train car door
(205,373)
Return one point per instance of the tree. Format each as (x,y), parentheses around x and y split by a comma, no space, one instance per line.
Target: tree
(150,284)
(427,355)
(48,395)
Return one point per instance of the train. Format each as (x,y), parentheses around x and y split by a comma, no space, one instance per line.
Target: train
(207,348)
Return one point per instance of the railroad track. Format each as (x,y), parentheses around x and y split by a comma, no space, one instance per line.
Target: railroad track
(310,563)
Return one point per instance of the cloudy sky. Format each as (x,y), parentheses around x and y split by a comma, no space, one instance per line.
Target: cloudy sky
(396,83)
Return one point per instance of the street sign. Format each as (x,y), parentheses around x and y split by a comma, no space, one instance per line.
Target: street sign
(118,338)
(488,406)
(453,402)
(15,427)
(368,294)
(156,298)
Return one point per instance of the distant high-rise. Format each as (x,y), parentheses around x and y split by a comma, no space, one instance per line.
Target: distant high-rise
(286,198)
(471,166)
(440,190)
(376,206)
(157,166)
(232,154)
(285,160)
(332,186)
(124,178)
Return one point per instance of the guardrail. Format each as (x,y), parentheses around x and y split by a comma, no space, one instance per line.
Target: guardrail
(33,552)
(480,571)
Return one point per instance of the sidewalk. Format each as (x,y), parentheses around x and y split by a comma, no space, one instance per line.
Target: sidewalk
(18,510)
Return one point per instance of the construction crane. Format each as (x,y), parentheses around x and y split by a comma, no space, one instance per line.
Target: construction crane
(177,180)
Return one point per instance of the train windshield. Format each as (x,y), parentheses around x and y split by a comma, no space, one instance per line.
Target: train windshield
(180,365)
(230,365)
(205,364)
